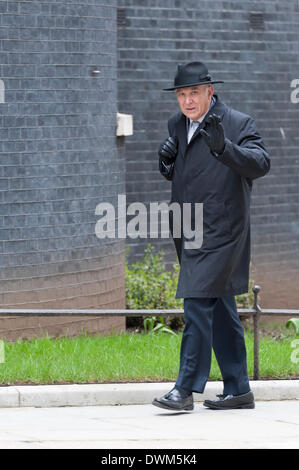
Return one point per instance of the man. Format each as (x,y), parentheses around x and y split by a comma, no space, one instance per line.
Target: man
(212,155)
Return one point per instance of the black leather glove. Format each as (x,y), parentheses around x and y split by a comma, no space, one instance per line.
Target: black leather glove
(165,169)
(213,134)
(168,150)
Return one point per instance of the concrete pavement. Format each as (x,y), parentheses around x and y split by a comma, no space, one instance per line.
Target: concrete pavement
(271,425)
(120,416)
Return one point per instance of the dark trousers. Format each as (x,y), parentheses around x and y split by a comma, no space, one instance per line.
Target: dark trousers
(213,323)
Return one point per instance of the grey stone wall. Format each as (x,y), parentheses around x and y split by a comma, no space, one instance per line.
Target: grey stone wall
(59,158)
(251,45)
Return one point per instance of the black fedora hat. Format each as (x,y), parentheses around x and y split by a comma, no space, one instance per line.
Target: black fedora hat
(191,74)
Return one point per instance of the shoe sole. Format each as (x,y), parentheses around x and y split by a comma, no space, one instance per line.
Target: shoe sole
(247,406)
(166,407)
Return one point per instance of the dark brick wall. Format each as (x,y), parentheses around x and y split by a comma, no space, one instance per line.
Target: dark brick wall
(59,158)
(257,66)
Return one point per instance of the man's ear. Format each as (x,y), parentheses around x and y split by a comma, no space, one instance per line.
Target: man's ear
(211,91)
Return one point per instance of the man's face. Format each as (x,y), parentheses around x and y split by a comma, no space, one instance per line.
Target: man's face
(194,101)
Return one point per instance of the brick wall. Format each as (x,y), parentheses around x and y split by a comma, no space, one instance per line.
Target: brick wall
(253,46)
(59,158)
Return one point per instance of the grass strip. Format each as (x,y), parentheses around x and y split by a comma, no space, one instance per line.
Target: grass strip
(126,357)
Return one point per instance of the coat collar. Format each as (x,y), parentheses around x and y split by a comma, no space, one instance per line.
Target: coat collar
(181,128)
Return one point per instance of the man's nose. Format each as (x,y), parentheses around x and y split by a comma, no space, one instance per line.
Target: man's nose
(189,100)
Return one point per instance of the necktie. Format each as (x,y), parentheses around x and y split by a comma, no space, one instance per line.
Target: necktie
(192,128)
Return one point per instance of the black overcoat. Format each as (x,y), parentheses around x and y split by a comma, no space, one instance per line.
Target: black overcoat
(223,184)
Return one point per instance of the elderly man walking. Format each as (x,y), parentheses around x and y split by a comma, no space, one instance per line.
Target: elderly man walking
(212,155)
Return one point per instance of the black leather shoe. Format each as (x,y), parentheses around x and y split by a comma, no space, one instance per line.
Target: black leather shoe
(175,400)
(231,402)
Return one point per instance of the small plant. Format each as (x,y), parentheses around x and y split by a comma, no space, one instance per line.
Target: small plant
(293,322)
(150,286)
(149,326)
(246,300)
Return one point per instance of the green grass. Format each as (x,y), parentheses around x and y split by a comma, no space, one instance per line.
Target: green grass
(127,357)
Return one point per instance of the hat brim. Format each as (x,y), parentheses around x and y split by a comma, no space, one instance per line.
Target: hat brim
(192,84)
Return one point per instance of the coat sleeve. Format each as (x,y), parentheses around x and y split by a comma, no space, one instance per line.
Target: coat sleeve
(248,156)
(166,170)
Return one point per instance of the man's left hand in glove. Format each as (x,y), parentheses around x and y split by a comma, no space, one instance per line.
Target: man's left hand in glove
(167,154)
(213,134)
(168,150)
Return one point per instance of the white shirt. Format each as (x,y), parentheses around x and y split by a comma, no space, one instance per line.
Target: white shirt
(193,125)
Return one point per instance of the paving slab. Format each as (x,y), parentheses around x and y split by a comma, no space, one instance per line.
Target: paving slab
(271,425)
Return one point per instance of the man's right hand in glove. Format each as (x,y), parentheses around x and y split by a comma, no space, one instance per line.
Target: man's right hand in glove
(168,150)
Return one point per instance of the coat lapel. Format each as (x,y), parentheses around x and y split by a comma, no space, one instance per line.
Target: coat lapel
(218,108)
(181,125)
(181,132)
